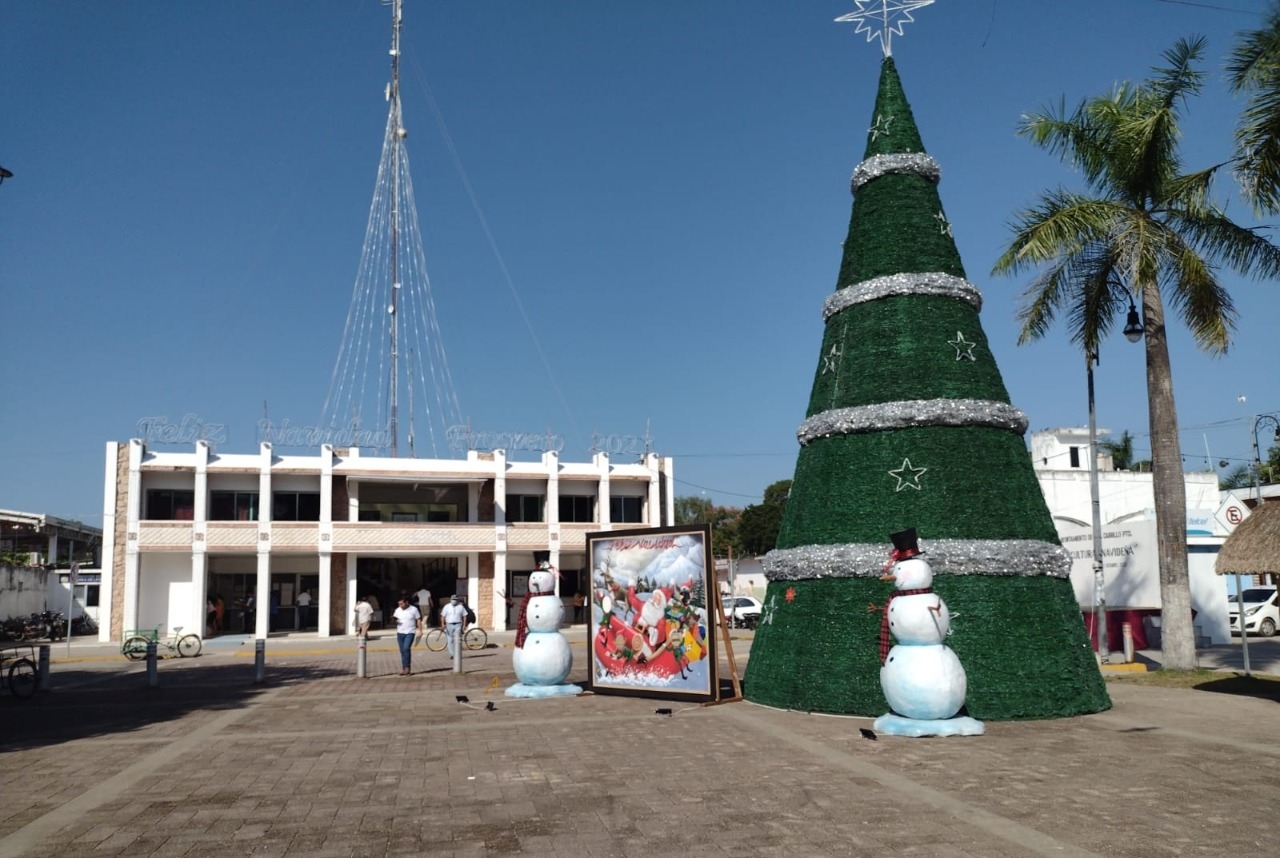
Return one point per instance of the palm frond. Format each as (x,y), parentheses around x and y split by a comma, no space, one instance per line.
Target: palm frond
(1059,224)
(1194,292)
(1253,69)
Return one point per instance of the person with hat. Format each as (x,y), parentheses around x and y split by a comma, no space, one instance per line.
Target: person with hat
(453,615)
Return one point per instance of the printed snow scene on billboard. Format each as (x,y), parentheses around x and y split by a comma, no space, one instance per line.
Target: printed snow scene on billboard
(649,633)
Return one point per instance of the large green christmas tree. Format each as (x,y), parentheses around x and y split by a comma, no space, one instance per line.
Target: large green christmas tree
(909,425)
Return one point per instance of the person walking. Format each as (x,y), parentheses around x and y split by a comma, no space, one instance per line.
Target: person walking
(453,615)
(408,624)
(364,616)
(422,599)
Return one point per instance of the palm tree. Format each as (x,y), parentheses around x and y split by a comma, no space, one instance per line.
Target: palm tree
(1253,70)
(1144,230)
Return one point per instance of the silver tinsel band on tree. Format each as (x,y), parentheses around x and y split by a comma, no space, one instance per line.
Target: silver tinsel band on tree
(912,413)
(1009,557)
(931,283)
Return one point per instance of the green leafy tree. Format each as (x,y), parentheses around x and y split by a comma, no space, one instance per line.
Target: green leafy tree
(1253,70)
(1239,478)
(1121,451)
(1145,230)
(724,521)
(760,523)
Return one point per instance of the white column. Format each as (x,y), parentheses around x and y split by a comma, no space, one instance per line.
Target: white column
(111,485)
(324,598)
(133,513)
(500,583)
(51,551)
(262,592)
(350,622)
(199,545)
(601,462)
(653,514)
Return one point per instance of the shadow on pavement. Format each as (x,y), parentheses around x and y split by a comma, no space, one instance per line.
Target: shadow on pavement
(1244,686)
(85,704)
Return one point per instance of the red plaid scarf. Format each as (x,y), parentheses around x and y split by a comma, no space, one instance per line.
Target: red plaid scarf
(522,625)
(886,640)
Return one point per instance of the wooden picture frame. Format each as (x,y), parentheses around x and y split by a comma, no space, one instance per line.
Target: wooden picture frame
(652,628)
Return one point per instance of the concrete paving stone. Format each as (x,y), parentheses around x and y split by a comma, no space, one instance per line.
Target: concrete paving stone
(1125,783)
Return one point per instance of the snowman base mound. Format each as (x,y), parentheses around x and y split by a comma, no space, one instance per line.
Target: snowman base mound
(522,690)
(896,725)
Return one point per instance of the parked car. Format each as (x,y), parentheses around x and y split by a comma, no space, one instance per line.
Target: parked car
(742,611)
(1261,611)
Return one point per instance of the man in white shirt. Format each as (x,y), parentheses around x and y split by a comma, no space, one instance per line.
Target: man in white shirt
(453,615)
(408,624)
(304,609)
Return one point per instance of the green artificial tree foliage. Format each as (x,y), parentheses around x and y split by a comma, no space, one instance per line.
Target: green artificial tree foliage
(908,425)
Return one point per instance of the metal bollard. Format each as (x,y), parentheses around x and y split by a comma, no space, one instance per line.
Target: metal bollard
(1126,632)
(362,646)
(259,660)
(153,675)
(43,665)
(457,652)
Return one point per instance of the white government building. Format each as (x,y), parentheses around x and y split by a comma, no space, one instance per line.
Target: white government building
(181,528)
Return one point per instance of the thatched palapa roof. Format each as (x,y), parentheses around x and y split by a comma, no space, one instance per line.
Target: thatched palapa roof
(1253,548)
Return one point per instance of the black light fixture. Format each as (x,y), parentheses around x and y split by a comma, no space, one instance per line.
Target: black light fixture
(1133,329)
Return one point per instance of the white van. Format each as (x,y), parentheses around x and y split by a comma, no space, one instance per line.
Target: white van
(1261,611)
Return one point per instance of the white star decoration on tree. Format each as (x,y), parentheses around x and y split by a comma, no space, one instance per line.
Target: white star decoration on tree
(883,18)
(881,127)
(964,348)
(766,615)
(830,358)
(907,482)
(944,225)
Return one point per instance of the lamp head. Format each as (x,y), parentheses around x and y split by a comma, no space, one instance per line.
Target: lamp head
(1133,329)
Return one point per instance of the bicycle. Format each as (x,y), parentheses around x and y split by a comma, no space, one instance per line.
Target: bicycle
(473,638)
(23,679)
(135,643)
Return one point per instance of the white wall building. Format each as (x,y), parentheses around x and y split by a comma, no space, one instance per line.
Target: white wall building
(182,527)
(1127,503)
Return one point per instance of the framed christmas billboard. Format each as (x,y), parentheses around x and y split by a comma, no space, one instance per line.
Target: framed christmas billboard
(652,630)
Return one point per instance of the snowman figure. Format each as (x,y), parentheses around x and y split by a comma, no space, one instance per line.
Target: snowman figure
(922,678)
(542,658)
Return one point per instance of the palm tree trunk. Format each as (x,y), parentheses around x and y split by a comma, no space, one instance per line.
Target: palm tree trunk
(1178,650)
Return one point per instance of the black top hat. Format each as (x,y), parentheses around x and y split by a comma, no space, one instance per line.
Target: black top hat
(905,544)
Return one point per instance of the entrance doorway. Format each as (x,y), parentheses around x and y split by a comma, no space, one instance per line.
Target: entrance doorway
(387,577)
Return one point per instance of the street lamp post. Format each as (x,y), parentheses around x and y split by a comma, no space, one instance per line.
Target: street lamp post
(1133,332)
(1095,502)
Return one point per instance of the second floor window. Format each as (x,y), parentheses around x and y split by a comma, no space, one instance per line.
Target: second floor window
(525,507)
(295,506)
(626,510)
(577,508)
(233,506)
(170,505)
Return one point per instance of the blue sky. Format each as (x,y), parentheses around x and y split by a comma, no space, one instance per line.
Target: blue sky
(666,185)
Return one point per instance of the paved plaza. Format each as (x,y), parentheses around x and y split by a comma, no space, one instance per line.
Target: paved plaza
(315,762)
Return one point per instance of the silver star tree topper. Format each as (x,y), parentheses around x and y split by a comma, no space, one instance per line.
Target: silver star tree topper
(883,18)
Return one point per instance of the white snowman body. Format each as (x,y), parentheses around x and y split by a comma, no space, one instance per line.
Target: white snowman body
(921,677)
(545,658)
(924,682)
